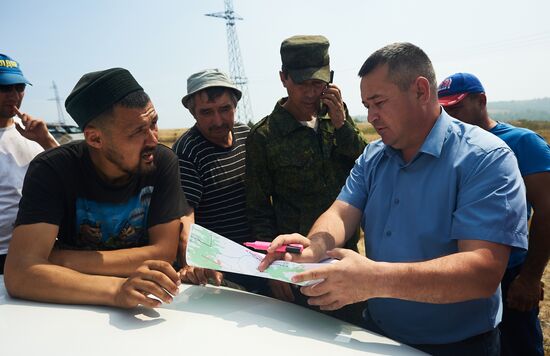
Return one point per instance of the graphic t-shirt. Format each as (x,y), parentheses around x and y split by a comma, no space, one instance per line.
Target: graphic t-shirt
(62,187)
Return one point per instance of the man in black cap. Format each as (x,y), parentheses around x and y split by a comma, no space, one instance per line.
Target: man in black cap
(99,219)
(299,156)
(21,138)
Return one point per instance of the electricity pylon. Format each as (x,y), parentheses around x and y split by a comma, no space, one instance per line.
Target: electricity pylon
(236,66)
(57,99)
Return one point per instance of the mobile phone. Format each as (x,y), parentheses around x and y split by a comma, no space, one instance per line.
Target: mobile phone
(323,109)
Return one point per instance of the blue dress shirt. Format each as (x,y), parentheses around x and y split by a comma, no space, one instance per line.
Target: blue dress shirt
(463,184)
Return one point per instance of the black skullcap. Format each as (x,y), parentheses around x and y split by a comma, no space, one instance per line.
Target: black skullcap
(96,92)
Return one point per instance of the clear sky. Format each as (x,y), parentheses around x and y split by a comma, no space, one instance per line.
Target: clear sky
(505,43)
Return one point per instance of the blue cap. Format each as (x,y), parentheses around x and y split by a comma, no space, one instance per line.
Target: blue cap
(10,72)
(456,87)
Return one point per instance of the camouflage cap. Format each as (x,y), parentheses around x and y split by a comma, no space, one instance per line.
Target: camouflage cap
(306,57)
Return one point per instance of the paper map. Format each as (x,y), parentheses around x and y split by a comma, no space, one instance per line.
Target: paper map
(209,250)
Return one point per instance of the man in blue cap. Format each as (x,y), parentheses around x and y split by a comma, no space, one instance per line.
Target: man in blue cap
(98,221)
(21,138)
(463,97)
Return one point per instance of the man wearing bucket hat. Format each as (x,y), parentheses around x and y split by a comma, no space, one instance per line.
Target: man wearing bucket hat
(212,168)
(463,97)
(22,137)
(99,219)
(299,156)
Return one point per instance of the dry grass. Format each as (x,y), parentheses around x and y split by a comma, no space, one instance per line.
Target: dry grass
(169,136)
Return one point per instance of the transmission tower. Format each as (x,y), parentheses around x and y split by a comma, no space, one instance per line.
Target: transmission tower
(236,67)
(57,99)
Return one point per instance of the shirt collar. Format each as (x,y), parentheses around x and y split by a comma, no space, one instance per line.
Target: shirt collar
(433,144)
(285,122)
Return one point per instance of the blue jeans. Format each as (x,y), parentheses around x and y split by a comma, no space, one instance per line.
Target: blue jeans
(520,332)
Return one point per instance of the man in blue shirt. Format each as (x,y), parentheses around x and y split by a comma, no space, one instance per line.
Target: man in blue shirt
(441,203)
(463,96)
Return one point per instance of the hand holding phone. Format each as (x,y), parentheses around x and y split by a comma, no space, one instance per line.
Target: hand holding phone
(323,109)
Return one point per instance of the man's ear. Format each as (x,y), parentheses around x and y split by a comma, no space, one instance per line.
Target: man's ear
(482,99)
(422,89)
(283,77)
(93,136)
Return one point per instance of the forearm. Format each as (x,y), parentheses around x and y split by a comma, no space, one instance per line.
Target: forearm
(326,234)
(330,230)
(47,142)
(163,245)
(42,281)
(110,263)
(186,222)
(454,278)
(539,248)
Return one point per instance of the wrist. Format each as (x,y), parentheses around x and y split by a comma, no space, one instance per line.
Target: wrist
(528,277)
(320,244)
(379,283)
(112,291)
(47,142)
(338,123)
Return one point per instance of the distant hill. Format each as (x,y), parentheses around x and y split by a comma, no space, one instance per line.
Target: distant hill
(535,109)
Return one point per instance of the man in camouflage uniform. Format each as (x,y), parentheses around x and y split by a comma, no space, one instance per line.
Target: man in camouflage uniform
(299,156)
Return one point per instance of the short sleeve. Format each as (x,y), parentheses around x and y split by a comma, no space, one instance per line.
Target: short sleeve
(533,154)
(491,203)
(42,196)
(355,191)
(168,201)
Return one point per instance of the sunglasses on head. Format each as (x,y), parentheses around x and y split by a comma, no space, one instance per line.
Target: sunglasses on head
(8,88)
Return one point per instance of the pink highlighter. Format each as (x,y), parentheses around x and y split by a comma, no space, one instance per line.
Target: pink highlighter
(263,245)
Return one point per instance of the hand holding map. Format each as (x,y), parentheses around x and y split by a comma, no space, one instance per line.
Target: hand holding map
(207,249)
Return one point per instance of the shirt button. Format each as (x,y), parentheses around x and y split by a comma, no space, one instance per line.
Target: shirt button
(388,233)
(396,201)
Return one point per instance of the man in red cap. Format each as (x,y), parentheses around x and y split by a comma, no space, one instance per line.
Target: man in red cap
(463,97)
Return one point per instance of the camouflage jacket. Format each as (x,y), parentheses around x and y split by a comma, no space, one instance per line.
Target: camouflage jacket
(293,174)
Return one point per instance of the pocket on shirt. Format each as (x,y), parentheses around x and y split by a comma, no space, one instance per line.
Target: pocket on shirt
(294,173)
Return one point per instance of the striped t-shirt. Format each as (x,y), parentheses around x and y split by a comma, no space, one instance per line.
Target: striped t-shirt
(212,178)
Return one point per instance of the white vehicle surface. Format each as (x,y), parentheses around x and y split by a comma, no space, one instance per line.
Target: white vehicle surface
(202,320)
